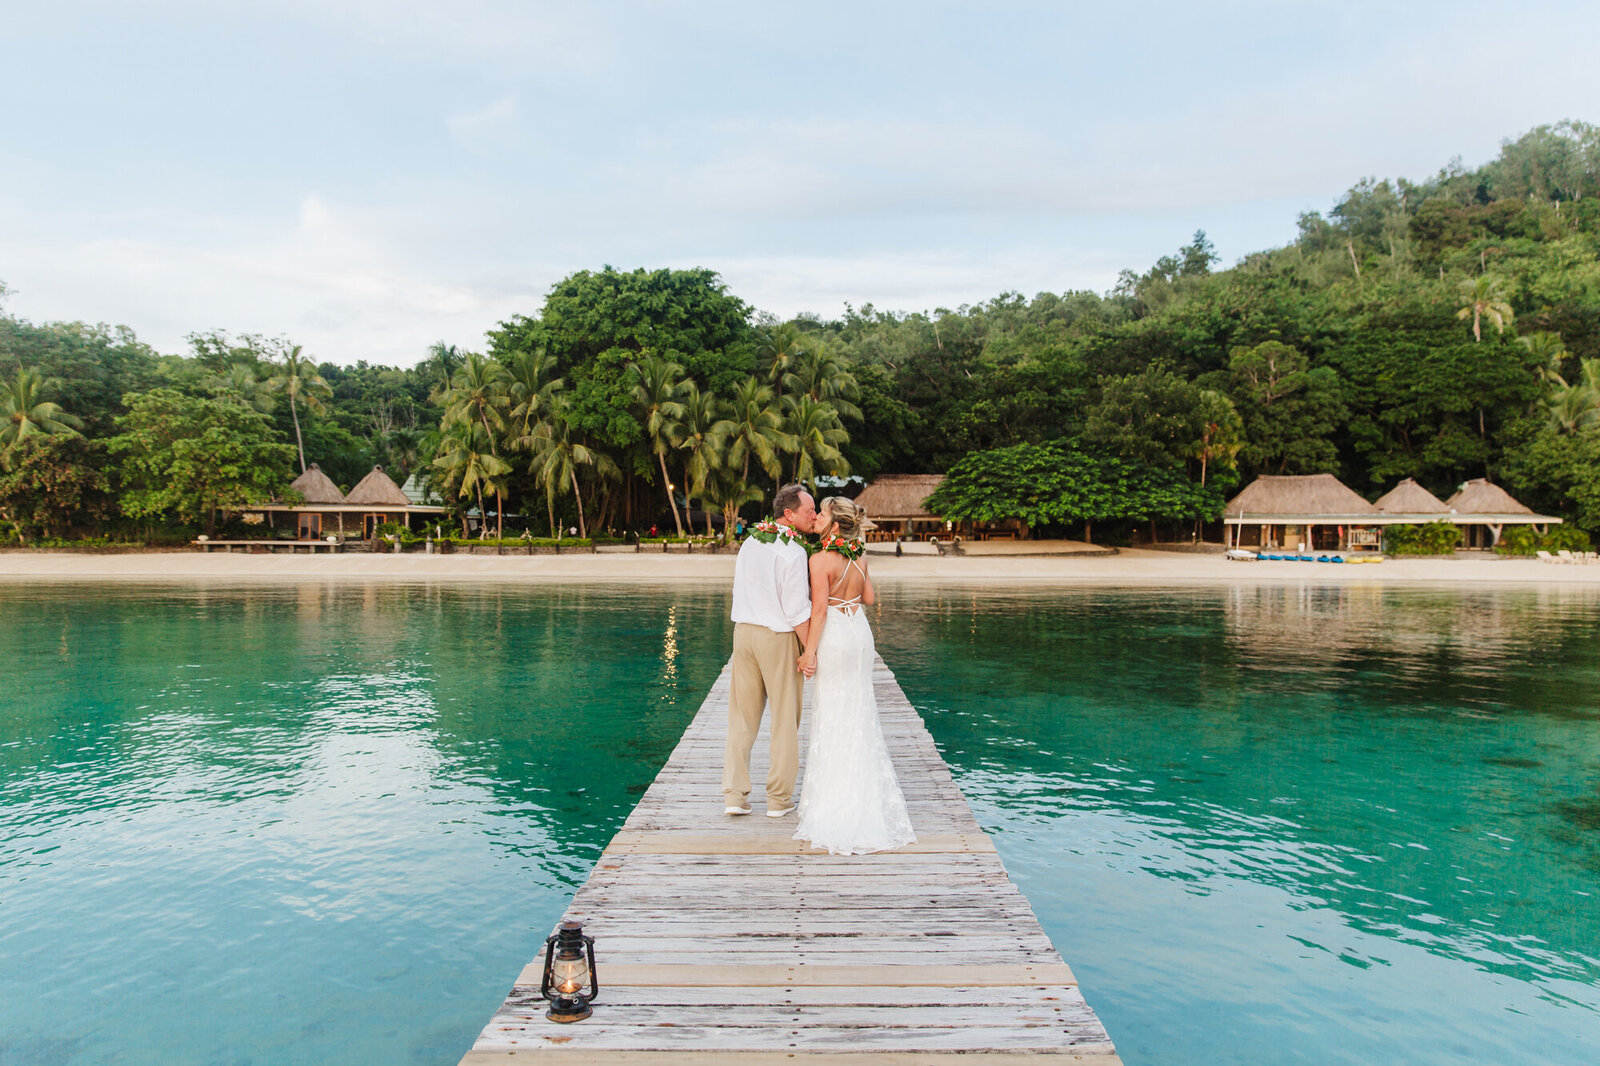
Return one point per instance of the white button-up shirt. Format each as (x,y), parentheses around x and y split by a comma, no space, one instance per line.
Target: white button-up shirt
(771,584)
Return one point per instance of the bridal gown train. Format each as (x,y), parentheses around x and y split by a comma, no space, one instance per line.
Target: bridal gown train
(850,800)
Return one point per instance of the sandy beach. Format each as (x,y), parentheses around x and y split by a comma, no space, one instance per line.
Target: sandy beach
(1129,567)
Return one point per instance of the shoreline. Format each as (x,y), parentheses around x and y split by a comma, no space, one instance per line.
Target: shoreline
(1132,566)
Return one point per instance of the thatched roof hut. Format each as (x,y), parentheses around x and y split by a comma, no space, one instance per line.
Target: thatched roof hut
(1297,497)
(378,489)
(897,497)
(1482,496)
(1274,511)
(1408,497)
(316,487)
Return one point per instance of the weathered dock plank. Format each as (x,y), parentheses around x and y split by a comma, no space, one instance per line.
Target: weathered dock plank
(723,940)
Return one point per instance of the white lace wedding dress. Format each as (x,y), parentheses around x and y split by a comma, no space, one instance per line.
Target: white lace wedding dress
(850,800)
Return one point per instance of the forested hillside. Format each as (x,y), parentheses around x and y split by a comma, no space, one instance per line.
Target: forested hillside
(1443,329)
(1437,329)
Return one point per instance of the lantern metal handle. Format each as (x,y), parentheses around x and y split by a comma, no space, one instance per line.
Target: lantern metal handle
(594,975)
(544,978)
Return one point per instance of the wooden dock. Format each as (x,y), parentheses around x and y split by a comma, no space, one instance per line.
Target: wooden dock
(721,940)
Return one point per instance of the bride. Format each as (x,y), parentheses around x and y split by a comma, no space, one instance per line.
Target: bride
(850,803)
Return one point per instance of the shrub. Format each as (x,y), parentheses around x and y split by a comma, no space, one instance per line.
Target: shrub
(1525,540)
(1518,540)
(397,529)
(1566,538)
(1435,538)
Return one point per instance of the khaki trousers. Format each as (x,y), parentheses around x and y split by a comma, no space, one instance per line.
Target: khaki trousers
(763,670)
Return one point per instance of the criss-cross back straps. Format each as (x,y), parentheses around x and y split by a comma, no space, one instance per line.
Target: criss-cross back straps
(853,601)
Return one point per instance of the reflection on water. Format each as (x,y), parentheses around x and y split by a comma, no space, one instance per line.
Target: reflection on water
(327,823)
(313,824)
(1290,823)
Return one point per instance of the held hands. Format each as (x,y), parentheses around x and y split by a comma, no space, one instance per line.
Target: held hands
(807,663)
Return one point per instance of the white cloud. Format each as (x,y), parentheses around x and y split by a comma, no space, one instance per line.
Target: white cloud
(474,153)
(344,283)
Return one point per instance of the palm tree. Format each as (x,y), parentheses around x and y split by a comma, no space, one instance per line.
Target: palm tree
(1221,432)
(1482,297)
(820,375)
(1575,407)
(241,377)
(703,436)
(558,458)
(439,366)
(297,376)
(23,414)
(757,430)
(1548,352)
(657,386)
(479,392)
(533,391)
(780,349)
(1570,408)
(403,448)
(470,465)
(724,488)
(818,435)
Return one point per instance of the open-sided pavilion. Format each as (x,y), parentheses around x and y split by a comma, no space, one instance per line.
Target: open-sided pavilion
(325,510)
(1318,512)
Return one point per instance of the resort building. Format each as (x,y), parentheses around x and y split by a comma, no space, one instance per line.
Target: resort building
(1410,498)
(1318,512)
(326,511)
(1484,509)
(894,502)
(1311,512)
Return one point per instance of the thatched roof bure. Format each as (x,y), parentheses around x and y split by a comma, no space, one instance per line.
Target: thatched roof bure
(1410,498)
(892,496)
(1298,496)
(316,487)
(1482,496)
(378,489)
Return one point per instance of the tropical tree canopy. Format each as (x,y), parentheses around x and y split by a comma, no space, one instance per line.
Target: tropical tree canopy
(1057,483)
(187,457)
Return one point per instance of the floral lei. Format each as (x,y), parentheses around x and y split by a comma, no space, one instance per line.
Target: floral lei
(850,549)
(767,531)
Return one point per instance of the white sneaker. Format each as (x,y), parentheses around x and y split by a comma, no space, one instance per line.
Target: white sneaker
(736,810)
(780,813)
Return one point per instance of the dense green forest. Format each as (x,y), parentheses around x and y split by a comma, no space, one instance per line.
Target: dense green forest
(1443,329)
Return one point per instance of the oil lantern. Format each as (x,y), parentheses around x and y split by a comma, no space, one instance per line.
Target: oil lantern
(570,982)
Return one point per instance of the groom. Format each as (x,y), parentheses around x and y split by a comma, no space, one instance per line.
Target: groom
(771,607)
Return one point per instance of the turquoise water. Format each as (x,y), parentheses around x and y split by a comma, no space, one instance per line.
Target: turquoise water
(316,824)
(325,823)
(1290,824)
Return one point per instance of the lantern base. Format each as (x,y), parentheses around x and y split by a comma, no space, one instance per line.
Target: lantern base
(576,1012)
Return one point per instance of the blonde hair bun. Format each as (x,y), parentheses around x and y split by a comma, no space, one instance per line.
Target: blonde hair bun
(850,516)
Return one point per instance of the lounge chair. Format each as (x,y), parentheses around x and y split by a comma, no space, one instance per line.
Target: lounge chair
(1546,557)
(1565,556)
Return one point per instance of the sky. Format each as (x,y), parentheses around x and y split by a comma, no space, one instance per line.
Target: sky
(368,178)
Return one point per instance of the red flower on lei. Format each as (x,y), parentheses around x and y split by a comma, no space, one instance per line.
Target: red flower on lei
(850,549)
(767,531)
